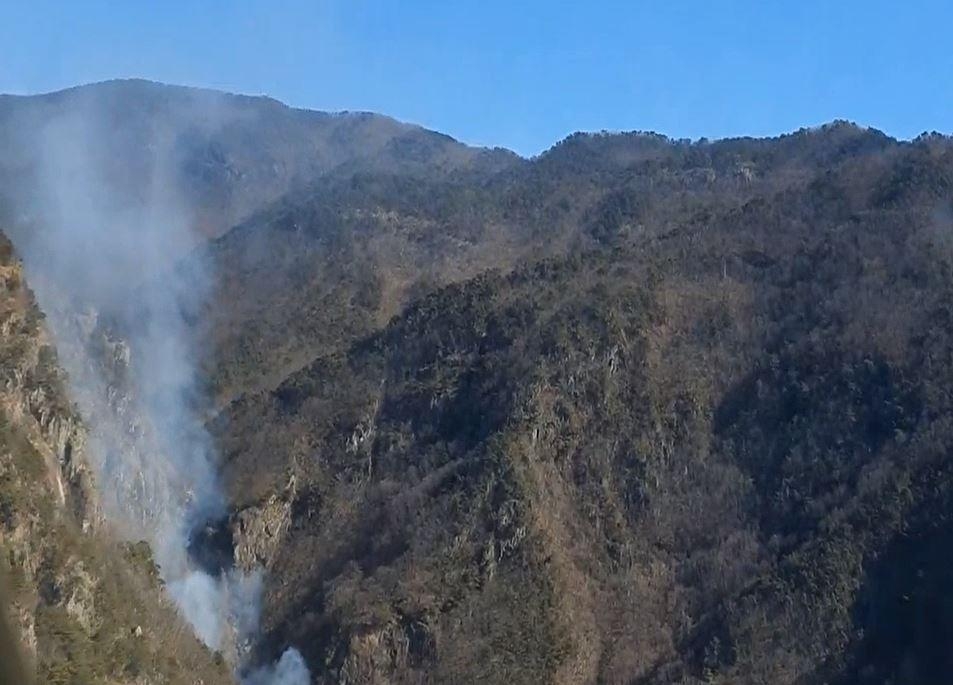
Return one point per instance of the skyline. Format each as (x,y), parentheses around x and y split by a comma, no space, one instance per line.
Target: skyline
(520,78)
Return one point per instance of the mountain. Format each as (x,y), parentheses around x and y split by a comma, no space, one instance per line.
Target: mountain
(636,410)
(225,155)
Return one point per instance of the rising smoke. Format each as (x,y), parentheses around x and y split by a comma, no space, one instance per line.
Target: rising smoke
(288,670)
(106,224)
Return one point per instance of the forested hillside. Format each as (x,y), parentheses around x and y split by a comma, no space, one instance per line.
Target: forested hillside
(636,410)
(704,440)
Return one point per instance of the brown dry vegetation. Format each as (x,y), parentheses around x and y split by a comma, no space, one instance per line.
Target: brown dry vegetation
(689,451)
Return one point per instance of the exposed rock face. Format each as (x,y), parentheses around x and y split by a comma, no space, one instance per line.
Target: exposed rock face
(122,445)
(31,396)
(85,608)
(257,531)
(381,656)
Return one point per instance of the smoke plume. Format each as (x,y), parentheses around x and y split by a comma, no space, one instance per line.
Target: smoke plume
(102,224)
(290,669)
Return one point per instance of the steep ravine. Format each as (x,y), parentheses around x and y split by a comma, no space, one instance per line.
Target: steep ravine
(86,607)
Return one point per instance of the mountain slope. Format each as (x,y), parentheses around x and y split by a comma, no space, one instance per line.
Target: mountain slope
(86,608)
(224,155)
(713,450)
(335,260)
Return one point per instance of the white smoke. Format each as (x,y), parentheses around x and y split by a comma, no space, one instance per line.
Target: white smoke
(200,598)
(101,245)
(215,606)
(290,669)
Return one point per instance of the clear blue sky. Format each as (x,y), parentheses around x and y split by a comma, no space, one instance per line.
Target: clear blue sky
(518,74)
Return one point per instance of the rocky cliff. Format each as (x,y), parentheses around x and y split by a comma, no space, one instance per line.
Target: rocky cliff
(86,607)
